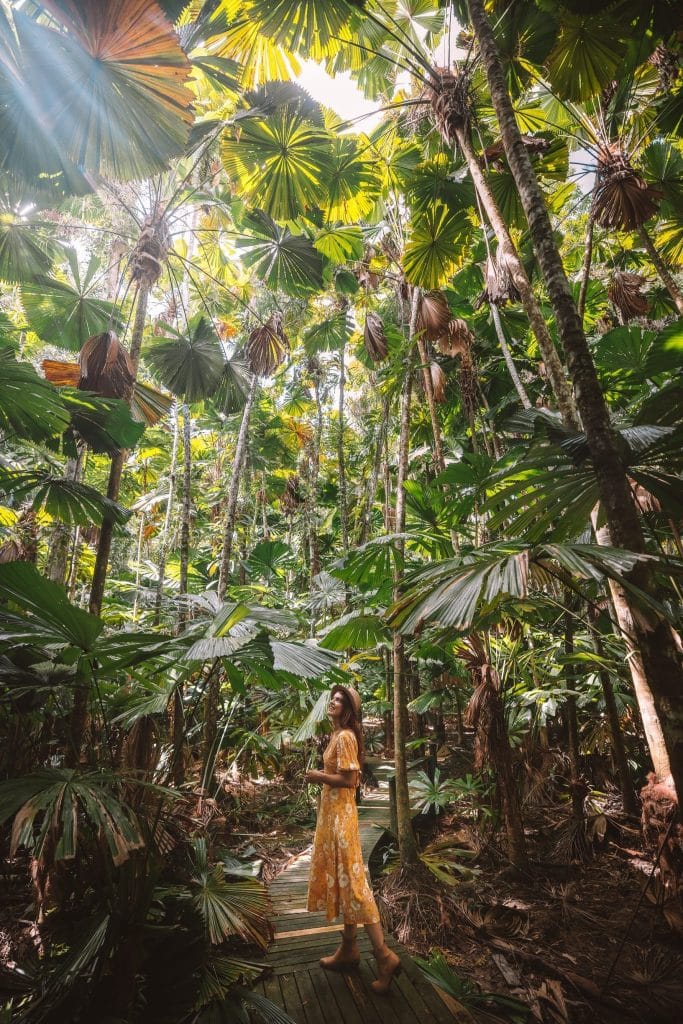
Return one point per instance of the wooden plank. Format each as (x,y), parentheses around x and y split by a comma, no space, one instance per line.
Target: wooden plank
(391,1008)
(307,931)
(314,1013)
(291,1000)
(349,1012)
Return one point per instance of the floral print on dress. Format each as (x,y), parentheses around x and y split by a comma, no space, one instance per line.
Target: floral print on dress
(338,883)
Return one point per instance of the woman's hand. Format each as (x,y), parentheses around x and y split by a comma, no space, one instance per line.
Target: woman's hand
(313,776)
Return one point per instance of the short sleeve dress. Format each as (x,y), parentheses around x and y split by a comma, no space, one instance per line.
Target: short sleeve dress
(338,883)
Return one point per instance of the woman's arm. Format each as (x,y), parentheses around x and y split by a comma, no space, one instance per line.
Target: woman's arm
(338,780)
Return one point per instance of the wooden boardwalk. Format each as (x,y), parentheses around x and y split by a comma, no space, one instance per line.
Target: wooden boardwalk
(311,995)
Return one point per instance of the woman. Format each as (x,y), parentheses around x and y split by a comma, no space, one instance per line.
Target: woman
(338,884)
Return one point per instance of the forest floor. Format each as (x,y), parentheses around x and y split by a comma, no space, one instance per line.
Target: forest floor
(575,940)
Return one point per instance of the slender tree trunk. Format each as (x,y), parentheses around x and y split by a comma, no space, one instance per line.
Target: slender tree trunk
(117,464)
(558,382)
(314,544)
(433,414)
(406,837)
(587,260)
(341,457)
(577,787)
(650,635)
(234,489)
(186,518)
(371,491)
(166,534)
(507,356)
(662,269)
(138,560)
(628,793)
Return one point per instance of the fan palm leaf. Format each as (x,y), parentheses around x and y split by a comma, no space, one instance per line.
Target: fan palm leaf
(63,800)
(189,363)
(283,261)
(108,84)
(67,314)
(435,246)
(68,501)
(29,406)
(281,163)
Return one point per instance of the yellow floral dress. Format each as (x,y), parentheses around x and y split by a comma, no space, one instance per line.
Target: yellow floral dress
(338,883)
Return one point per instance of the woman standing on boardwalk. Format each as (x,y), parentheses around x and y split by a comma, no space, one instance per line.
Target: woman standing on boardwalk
(338,883)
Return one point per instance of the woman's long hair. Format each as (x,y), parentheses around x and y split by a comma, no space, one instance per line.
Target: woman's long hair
(350,720)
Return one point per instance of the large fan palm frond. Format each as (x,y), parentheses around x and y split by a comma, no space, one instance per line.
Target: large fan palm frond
(107,83)
(281,163)
(66,500)
(29,406)
(68,313)
(435,246)
(283,261)
(189,363)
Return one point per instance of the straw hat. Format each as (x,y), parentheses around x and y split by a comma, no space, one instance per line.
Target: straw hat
(353,696)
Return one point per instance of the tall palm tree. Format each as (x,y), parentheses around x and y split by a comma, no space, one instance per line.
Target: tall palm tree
(657,671)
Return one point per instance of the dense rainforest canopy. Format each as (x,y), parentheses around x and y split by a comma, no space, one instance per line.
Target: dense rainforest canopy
(288,399)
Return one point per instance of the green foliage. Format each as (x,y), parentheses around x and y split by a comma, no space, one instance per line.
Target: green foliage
(29,406)
(467,994)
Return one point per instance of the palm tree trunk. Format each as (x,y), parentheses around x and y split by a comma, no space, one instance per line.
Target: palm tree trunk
(406,838)
(507,356)
(117,463)
(138,560)
(628,793)
(371,490)
(587,260)
(662,269)
(341,458)
(233,492)
(313,542)
(186,517)
(650,635)
(558,382)
(577,786)
(166,534)
(433,415)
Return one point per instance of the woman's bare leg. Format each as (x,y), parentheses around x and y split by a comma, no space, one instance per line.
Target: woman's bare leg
(388,963)
(347,955)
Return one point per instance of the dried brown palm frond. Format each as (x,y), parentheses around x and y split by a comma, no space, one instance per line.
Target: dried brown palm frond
(267,346)
(438,382)
(106,368)
(367,278)
(668,64)
(292,497)
(623,199)
(456,340)
(499,285)
(656,974)
(448,94)
(375,338)
(63,375)
(151,251)
(498,919)
(624,292)
(433,315)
